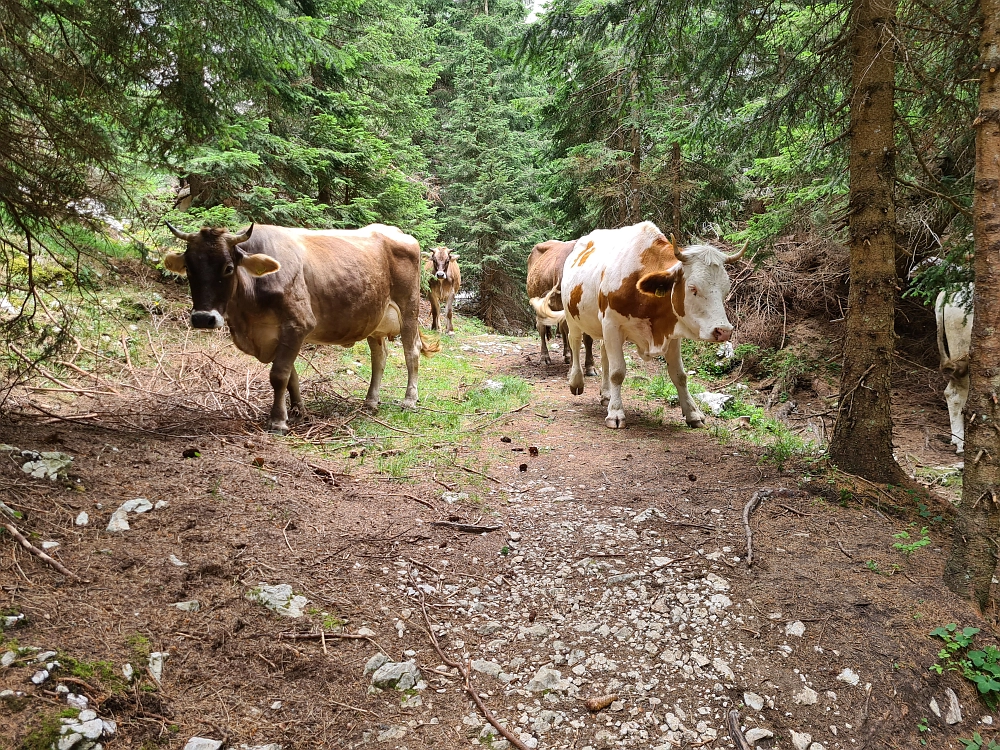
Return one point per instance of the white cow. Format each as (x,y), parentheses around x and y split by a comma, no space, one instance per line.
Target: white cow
(954,334)
(632,284)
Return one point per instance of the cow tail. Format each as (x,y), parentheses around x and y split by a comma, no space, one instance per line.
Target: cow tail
(428,346)
(544,313)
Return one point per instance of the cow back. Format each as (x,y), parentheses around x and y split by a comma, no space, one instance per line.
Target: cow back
(545,266)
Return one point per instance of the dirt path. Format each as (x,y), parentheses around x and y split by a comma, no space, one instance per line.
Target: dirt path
(618,570)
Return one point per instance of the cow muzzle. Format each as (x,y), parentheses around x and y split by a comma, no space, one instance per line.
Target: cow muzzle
(440,274)
(721,334)
(206,319)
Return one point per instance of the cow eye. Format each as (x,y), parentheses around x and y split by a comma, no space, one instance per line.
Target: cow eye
(230,270)
(694,290)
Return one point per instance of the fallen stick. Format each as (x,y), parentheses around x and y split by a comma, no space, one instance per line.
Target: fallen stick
(38,553)
(467,681)
(747,510)
(469,527)
(735,733)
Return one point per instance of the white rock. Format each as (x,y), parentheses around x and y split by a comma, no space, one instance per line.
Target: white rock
(715,402)
(753,701)
(40,676)
(68,741)
(723,669)
(138,505)
(987,719)
(816,746)
(174,560)
(805,697)
(396,675)
(127,671)
(10,621)
(160,504)
(849,676)
(86,715)
(77,701)
(514,536)
(200,743)
(91,729)
(110,727)
(8,658)
(372,665)
(44,656)
(490,668)
(82,519)
(953,714)
(796,628)
(189,606)
(392,733)
(49,545)
(545,679)
(800,740)
(935,708)
(118,522)
(753,736)
(279,598)
(661,562)
(269,746)
(156,660)
(366,632)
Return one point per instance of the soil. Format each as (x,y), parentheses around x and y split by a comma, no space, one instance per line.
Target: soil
(252,508)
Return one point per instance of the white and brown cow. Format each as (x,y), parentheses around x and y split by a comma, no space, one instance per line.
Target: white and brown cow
(279,288)
(954,334)
(632,284)
(445,282)
(545,268)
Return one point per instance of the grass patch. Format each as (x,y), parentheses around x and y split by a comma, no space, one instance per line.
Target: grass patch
(43,733)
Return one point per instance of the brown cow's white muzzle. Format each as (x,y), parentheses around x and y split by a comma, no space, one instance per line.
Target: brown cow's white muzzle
(722,334)
(440,274)
(206,319)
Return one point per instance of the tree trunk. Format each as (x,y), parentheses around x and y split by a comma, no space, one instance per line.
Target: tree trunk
(675,171)
(633,177)
(862,436)
(973,559)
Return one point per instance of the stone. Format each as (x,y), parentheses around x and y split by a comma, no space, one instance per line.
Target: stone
(753,701)
(44,656)
(176,561)
(118,522)
(723,669)
(849,676)
(160,504)
(372,665)
(545,679)
(279,598)
(10,621)
(816,746)
(800,740)
(753,736)
(110,727)
(68,741)
(805,697)
(156,660)
(269,746)
(490,668)
(127,671)
(86,715)
(189,606)
(40,676)
(392,733)
(46,546)
(8,658)
(514,536)
(50,465)
(797,629)
(138,505)
(935,708)
(953,714)
(201,743)
(366,632)
(489,628)
(714,402)
(91,729)
(396,676)
(82,519)
(77,701)
(536,631)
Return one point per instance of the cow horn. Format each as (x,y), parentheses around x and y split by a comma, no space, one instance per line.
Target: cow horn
(183,236)
(736,256)
(236,239)
(682,255)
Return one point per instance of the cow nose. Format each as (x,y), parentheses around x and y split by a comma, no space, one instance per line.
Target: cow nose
(722,333)
(206,319)
(440,274)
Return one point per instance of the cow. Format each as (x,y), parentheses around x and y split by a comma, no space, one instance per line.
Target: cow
(446,280)
(953,311)
(279,288)
(633,284)
(545,269)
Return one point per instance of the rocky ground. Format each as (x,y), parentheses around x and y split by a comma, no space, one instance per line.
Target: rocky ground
(605,599)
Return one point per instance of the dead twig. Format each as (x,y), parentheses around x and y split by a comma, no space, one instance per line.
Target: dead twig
(747,510)
(38,553)
(469,527)
(735,733)
(284,534)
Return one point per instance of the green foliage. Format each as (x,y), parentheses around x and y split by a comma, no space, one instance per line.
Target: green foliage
(980,666)
(908,548)
(978,743)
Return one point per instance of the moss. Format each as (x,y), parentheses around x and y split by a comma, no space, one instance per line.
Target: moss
(44,732)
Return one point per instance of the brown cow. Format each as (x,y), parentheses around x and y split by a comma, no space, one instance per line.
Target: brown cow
(446,280)
(279,288)
(545,269)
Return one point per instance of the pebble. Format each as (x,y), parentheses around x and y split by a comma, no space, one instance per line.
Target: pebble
(8,658)
(156,660)
(189,606)
(753,736)
(797,629)
(201,743)
(40,676)
(800,740)
(953,714)
(46,546)
(279,598)
(372,665)
(753,701)
(82,519)
(545,679)
(77,701)
(174,560)
(849,676)
(805,697)
(396,676)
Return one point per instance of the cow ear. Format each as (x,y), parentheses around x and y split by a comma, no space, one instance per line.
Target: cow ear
(453,256)
(657,284)
(174,262)
(259,264)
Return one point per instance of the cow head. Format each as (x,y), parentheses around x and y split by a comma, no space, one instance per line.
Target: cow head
(210,264)
(440,257)
(698,287)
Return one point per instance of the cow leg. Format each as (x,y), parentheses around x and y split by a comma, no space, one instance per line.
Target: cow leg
(675,369)
(435,311)
(378,348)
(575,373)
(588,364)
(409,335)
(564,330)
(448,312)
(543,333)
(298,406)
(613,353)
(956,393)
(282,372)
(605,376)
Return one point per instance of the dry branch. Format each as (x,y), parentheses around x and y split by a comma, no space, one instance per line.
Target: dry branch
(38,553)
(735,733)
(747,510)
(469,527)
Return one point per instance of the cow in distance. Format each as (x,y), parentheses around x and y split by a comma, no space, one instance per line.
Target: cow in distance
(953,312)
(444,284)
(279,288)
(633,284)
(545,270)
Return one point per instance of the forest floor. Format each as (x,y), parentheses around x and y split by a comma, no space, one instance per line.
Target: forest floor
(617,569)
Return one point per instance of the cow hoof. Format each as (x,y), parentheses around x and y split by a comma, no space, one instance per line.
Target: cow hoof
(546,360)
(278,428)
(576,390)
(591,372)
(409,403)
(297,412)
(615,422)
(451,333)
(370,406)
(695,424)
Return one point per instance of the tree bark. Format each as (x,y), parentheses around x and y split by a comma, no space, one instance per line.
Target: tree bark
(973,559)
(862,437)
(675,172)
